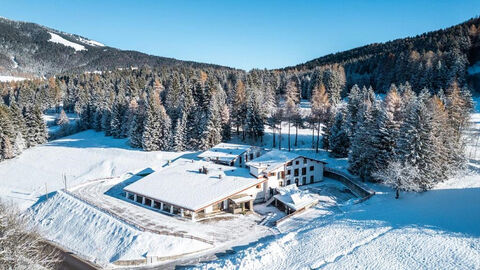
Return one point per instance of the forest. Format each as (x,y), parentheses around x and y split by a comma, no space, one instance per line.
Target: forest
(417,125)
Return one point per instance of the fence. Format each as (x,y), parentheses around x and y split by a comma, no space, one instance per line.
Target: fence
(135,225)
(351,182)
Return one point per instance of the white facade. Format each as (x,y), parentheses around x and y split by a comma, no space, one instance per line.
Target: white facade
(299,170)
(232,154)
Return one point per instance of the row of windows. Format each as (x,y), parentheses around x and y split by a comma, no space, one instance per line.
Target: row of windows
(304,181)
(246,157)
(297,162)
(296,171)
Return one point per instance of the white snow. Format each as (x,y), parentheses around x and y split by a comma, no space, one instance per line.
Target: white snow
(4,78)
(181,183)
(435,229)
(15,64)
(272,159)
(91,42)
(226,152)
(295,198)
(58,39)
(86,230)
(83,156)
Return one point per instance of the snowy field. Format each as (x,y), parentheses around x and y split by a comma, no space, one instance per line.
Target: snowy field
(81,157)
(436,229)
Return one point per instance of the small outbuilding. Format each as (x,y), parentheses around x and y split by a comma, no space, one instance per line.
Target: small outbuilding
(232,154)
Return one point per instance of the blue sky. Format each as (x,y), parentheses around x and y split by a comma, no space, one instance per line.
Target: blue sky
(242,34)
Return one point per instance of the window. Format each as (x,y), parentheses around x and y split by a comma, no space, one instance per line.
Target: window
(296,181)
(311,168)
(274,173)
(251,155)
(304,171)
(281,183)
(279,175)
(304,161)
(288,182)
(311,179)
(288,172)
(295,172)
(289,163)
(148,202)
(240,160)
(304,180)
(297,162)
(258,154)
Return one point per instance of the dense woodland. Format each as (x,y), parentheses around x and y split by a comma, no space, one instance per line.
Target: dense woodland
(418,125)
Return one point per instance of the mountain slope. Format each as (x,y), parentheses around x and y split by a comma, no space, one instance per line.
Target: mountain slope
(431,60)
(28,49)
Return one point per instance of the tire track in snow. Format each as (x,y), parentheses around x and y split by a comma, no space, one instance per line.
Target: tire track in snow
(352,249)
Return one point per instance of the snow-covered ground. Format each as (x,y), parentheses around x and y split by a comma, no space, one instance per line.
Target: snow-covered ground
(51,116)
(83,156)
(60,40)
(436,229)
(100,237)
(5,78)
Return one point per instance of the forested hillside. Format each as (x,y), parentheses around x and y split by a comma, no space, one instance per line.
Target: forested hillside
(26,50)
(431,60)
(195,106)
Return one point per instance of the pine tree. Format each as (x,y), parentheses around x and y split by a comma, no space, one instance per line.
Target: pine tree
(157,126)
(239,106)
(388,127)
(18,121)
(291,108)
(339,142)
(62,119)
(255,122)
(37,130)
(136,126)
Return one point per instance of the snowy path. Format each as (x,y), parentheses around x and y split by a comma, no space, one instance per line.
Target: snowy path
(419,231)
(107,194)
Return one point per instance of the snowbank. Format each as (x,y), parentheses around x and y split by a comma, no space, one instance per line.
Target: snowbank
(100,237)
(435,229)
(58,39)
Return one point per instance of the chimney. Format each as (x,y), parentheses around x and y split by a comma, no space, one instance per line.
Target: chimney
(220,176)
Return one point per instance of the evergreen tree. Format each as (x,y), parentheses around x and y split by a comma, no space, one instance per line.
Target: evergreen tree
(136,126)
(157,126)
(255,122)
(339,142)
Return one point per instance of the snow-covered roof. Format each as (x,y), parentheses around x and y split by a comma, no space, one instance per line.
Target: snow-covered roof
(272,160)
(293,197)
(225,152)
(181,183)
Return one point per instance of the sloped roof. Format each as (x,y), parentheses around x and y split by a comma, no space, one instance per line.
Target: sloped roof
(272,160)
(225,152)
(182,184)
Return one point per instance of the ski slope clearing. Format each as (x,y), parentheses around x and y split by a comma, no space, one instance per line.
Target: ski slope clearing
(81,157)
(58,39)
(101,238)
